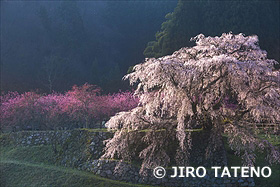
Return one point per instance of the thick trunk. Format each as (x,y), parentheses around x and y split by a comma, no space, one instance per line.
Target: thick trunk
(200,142)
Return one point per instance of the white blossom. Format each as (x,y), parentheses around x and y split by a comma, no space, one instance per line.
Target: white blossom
(219,84)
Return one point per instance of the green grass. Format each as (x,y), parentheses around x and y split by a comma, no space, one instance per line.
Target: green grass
(15,173)
(144,130)
(274,179)
(273,139)
(34,166)
(34,154)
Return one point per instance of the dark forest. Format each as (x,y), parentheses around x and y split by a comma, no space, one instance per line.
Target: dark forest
(50,46)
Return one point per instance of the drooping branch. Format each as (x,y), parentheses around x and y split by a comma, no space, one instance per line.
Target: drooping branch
(214,85)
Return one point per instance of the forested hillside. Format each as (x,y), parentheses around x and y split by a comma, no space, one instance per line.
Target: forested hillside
(52,45)
(191,18)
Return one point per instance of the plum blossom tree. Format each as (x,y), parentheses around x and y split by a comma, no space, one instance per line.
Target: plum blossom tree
(219,85)
(52,115)
(19,109)
(6,109)
(109,105)
(83,105)
(80,103)
(50,108)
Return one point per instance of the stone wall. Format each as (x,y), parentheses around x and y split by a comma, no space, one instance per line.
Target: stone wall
(31,138)
(73,147)
(130,173)
(82,149)
(82,146)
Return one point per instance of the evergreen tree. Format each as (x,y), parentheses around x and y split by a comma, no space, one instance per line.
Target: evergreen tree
(215,17)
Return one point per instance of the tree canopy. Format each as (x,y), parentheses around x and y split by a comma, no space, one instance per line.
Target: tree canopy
(215,17)
(218,85)
(81,41)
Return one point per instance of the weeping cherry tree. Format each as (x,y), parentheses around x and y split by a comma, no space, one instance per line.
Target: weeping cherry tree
(225,85)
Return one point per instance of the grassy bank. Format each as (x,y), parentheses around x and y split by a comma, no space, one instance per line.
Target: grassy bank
(15,173)
(274,179)
(35,166)
(32,166)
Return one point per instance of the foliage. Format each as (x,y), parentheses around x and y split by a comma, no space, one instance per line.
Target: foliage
(80,107)
(220,84)
(63,43)
(215,17)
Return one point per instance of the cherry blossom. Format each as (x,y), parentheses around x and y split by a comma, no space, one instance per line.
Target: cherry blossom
(220,85)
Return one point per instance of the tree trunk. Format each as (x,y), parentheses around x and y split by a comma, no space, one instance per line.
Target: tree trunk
(200,142)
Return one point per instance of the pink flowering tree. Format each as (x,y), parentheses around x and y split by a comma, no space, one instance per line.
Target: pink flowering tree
(82,105)
(219,85)
(86,105)
(19,110)
(50,108)
(6,110)
(108,105)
